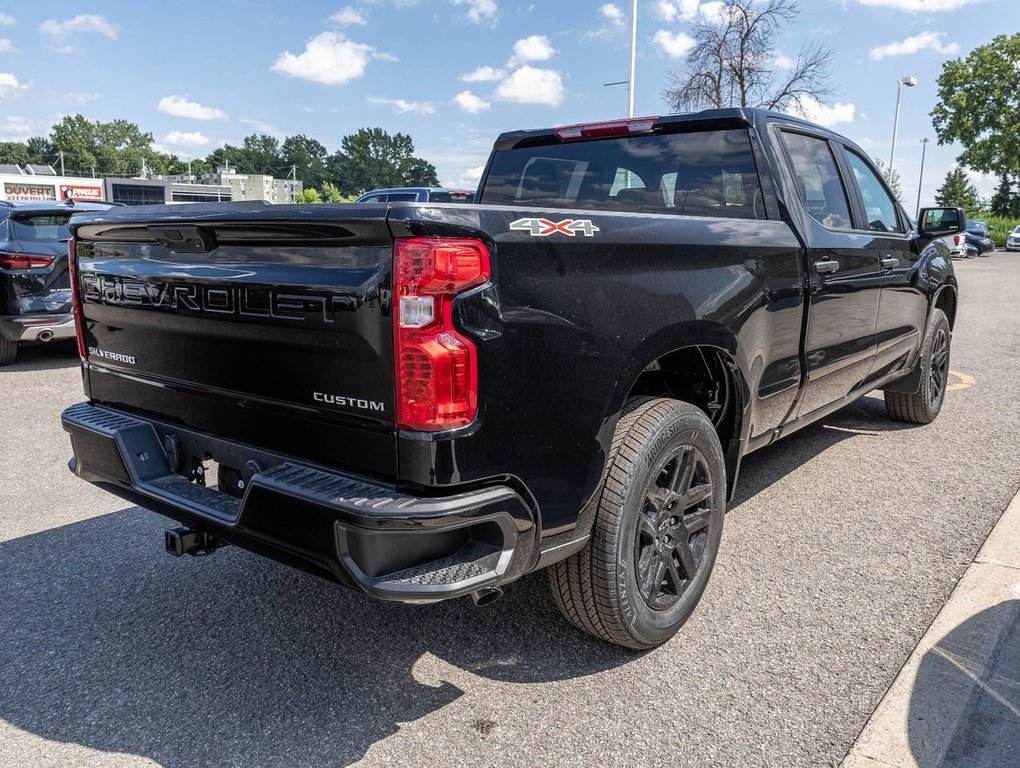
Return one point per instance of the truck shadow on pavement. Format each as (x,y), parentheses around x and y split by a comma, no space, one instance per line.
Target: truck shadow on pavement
(965,711)
(45,357)
(108,643)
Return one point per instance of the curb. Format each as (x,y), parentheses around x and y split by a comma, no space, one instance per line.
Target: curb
(930,711)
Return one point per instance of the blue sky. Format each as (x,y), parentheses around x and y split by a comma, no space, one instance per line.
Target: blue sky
(451,73)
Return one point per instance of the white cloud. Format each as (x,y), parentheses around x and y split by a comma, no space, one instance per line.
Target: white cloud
(328,58)
(478,10)
(529,49)
(349,16)
(6,46)
(10,87)
(920,42)
(673,44)
(916,6)
(671,10)
(263,127)
(6,20)
(181,106)
(403,106)
(85,22)
(79,97)
(471,103)
(782,61)
(712,12)
(811,109)
(186,139)
(64,50)
(483,75)
(532,85)
(14,128)
(612,14)
(468,178)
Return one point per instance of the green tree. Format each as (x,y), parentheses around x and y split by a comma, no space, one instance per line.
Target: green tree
(732,62)
(978,107)
(13,153)
(1005,202)
(371,158)
(230,155)
(117,148)
(262,154)
(957,190)
(308,158)
(308,195)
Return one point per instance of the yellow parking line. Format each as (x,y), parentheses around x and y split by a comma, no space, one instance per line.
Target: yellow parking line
(964,382)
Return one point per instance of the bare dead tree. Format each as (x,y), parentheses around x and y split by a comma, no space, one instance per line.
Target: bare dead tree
(733,61)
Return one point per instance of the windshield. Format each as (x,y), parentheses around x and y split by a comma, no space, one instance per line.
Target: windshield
(41,228)
(974,224)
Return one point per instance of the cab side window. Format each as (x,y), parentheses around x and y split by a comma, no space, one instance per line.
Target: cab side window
(821,187)
(879,208)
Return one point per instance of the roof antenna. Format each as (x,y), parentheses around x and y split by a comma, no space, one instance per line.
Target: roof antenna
(69,197)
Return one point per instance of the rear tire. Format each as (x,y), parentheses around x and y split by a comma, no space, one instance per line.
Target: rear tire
(8,351)
(924,405)
(656,532)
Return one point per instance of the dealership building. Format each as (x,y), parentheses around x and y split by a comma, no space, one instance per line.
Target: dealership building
(41,182)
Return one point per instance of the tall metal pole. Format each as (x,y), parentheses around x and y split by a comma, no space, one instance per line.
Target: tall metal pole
(924,146)
(633,57)
(895,127)
(909,81)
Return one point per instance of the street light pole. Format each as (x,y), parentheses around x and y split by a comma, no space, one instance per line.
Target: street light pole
(920,181)
(633,56)
(909,82)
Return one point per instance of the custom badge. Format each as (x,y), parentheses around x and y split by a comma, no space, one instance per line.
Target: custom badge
(544,227)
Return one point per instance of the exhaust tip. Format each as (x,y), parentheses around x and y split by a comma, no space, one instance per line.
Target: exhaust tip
(45,335)
(486,596)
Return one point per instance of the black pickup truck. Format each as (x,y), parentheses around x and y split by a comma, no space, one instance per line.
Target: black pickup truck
(424,401)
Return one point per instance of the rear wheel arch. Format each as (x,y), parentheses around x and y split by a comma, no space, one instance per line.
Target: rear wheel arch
(946,300)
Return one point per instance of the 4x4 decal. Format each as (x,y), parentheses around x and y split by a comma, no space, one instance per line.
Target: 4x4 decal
(544,227)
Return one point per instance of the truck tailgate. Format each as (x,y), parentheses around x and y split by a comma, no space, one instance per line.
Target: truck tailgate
(265,325)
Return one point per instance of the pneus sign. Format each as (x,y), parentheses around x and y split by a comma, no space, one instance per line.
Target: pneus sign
(292,304)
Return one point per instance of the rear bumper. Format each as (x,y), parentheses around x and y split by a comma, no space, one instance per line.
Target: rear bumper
(365,534)
(37,327)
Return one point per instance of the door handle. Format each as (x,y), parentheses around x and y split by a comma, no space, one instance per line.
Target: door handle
(826,266)
(889,262)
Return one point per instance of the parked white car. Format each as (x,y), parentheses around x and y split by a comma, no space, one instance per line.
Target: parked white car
(1013,241)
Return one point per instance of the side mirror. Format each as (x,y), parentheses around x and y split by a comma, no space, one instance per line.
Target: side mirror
(939,222)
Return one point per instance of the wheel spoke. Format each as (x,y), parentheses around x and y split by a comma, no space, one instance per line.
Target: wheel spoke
(683,474)
(646,572)
(683,551)
(674,576)
(697,520)
(648,527)
(697,494)
(658,570)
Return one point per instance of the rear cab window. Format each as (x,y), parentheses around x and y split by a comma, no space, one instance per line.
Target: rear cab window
(41,228)
(695,173)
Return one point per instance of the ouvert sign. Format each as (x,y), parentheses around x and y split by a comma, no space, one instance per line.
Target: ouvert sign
(19,187)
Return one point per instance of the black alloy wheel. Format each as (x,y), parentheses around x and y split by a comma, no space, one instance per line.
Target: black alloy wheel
(674,527)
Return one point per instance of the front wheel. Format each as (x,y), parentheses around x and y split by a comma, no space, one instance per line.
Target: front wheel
(923,406)
(657,528)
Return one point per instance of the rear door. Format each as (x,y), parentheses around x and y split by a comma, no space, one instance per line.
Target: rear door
(844,279)
(269,326)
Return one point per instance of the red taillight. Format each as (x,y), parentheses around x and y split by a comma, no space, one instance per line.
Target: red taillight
(958,240)
(23,260)
(631,127)
(79,326)
(436,368)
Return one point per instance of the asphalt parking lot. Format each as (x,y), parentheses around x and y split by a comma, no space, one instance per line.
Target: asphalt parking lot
(843,544)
